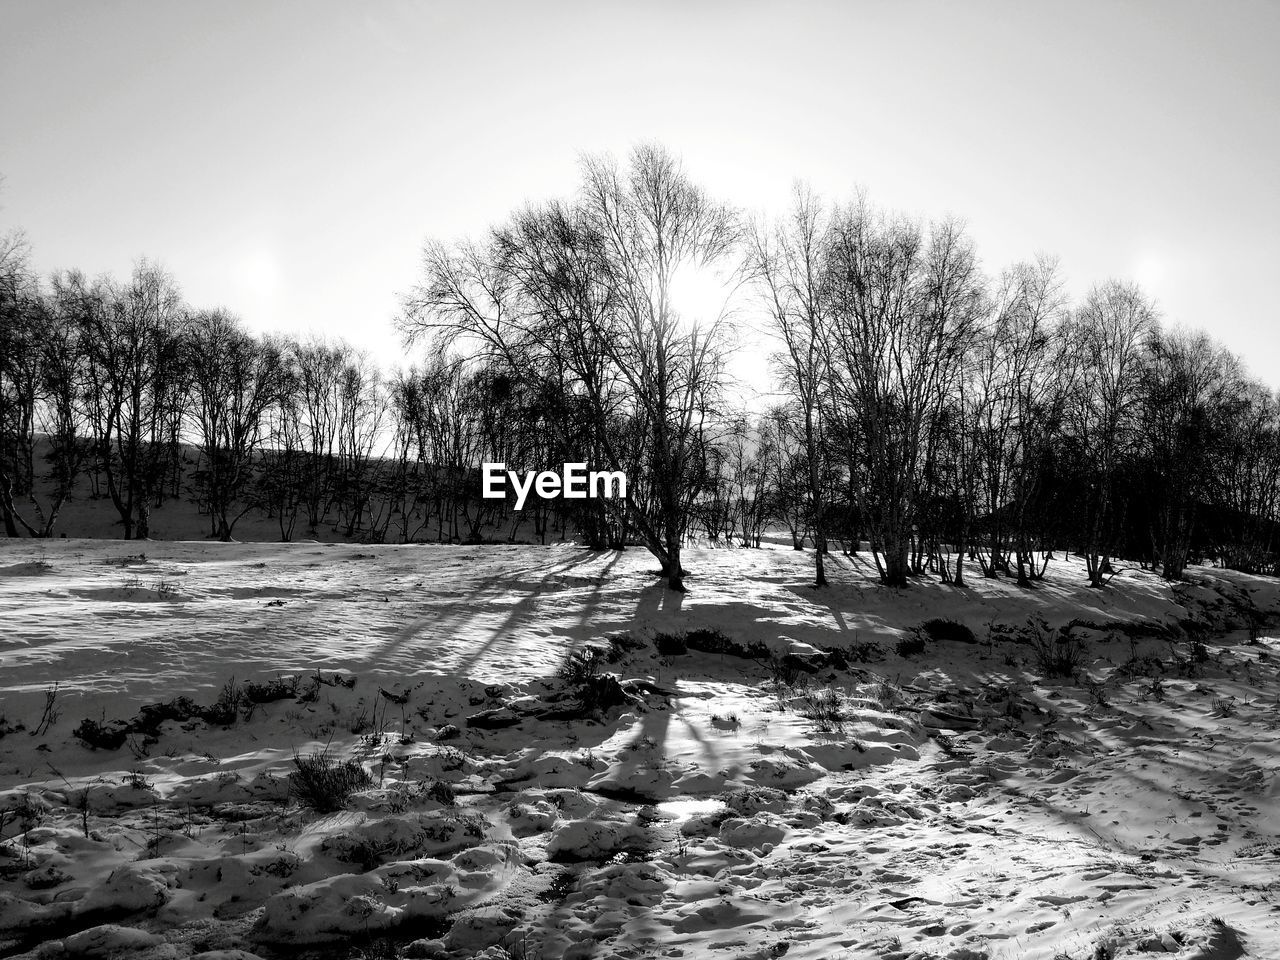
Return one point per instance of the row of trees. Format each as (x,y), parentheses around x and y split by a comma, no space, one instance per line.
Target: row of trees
(992,421)
(951,421)
(104,382)
(121,391)
(943,416)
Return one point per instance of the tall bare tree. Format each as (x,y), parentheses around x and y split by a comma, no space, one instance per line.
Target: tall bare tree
(236,378)
(21,310)
(1017,378)
(905,303)
(1189,387)
(1109,332)
(789,261)
(584,294)
(134,379)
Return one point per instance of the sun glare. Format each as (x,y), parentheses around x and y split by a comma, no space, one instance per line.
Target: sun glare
(257,272)
(701,295)
(1150,271)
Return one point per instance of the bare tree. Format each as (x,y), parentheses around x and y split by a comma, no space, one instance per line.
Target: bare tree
(58,352)
(750,482)
(1109,332)
(1189,385)
(133,378)
(20,374)
(583,294)
(789,263)
(904,307)
(1246,481)
(236,378)
(362,409)
(408,485)
(286,460)
(1016,382)
(318,367)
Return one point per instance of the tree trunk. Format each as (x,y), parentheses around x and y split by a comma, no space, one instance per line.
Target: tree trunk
(897,565)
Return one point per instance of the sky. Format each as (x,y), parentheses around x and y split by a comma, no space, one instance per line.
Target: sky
(287,160)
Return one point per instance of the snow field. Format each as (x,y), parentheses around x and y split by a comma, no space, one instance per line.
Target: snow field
(957,803)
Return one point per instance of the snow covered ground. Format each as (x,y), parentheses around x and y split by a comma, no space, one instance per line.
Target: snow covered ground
(798,783)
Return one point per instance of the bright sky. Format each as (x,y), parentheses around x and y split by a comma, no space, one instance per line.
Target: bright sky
(287,159)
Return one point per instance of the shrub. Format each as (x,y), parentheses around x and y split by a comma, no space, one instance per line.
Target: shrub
(281,688)
(99,736)
(1156,690)
(620,645)
(861,651)
(709,641)
(1098,694)
(785,672)
(226,709)
(597,694)
(325,784)
(713,641)
(999,632)
(1196,655)
(942,629)
(889,696)
(594,691)
(1057,653)
(671,644)
(441,791)
(311,692)
(137,780)
(152,715)
(580,667)
(825,708)
(911,645)
(1139,666)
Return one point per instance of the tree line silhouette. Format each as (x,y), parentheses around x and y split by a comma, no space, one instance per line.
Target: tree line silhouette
(947,421)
